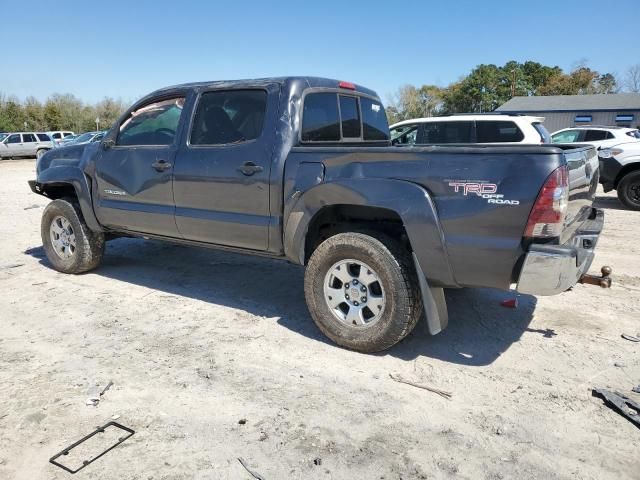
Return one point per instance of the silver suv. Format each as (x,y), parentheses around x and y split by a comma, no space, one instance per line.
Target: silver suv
(25,144)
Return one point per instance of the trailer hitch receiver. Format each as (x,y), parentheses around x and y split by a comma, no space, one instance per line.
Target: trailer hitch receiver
(603,281)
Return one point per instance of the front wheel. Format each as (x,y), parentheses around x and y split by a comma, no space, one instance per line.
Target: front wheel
(70,245)
(629,190)
(362,292)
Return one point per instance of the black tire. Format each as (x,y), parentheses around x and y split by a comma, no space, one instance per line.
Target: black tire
(629,190)
(393,266)
(89,245)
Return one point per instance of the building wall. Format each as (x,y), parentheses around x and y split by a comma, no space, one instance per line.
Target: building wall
(558,120)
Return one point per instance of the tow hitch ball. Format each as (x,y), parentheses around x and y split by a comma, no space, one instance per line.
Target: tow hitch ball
(604,281)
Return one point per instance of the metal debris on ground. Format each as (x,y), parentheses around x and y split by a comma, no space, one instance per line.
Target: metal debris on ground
(93,400)
(65,452)
(317,461)
(253,473)
(621,404)
(631,338)
(11,265)
(109,385)
(437,391)
(636,389)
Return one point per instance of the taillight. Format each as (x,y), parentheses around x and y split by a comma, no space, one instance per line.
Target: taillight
(548,213)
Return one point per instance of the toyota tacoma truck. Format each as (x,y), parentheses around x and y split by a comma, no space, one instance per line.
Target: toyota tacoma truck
(302,169)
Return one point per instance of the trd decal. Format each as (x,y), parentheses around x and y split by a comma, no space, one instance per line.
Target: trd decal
(484,190)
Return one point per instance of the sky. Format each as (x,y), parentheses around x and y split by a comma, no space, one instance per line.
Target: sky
(126,49)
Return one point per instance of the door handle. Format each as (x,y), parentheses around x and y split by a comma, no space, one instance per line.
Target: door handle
(249,168)
(161,165)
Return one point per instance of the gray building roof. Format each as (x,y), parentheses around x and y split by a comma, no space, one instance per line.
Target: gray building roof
(577,103)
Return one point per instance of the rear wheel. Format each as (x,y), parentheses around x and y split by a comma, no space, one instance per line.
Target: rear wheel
(70,245)
(629,190)
(362,291)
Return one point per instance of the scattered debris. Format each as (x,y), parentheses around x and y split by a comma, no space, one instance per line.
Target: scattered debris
(254,474)
(511,303)
(317,461)
(102,429)
(93,400)
(263,436)
(636,389)
(442,393)
(619,365)
(631,338)
(115,417)
(109,385)
(11,265)
(32,207)
(242,421)
(621,404)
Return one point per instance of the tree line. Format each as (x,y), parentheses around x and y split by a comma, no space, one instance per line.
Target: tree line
(57,112)
(487,87)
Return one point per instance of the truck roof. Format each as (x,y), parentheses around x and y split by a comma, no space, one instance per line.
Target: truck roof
(301,82)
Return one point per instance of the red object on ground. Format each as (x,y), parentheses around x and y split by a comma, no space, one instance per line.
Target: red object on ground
(511,303)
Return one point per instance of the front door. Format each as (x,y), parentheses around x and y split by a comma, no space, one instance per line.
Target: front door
(133,186)
(221,179)
(13,146)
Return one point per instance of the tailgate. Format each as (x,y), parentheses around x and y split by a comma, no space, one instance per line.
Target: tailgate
(583,182)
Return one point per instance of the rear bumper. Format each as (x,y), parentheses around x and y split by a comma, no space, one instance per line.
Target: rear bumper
(553,269)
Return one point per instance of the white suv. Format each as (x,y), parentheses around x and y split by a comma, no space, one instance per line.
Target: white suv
(478,128)
(599,137)
(60,135)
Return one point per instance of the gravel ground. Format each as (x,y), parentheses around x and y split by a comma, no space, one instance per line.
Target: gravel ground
(214,357)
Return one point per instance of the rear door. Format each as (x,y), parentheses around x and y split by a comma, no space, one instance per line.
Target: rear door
(221,178)
(30,144)
(133,189)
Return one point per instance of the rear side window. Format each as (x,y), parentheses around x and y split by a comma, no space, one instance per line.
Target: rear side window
(498,132)
(320,118)
(66,134)
(231,116)
(447,132)
(28,137)
(57,135)
(595,135)
(43,137)
(350,116)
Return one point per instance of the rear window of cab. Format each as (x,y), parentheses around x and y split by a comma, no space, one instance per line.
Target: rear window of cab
(336,117)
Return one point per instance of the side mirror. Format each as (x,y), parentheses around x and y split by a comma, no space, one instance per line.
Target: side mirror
(107,144)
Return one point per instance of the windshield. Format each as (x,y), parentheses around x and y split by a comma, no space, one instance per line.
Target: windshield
(3,136)
(85,137)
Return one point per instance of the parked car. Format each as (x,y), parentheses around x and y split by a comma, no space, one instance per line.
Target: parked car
(58,136)
(620,170)
(83,138)
(68,140)
(478,128)
(302,169)
(599,137)
(25,144)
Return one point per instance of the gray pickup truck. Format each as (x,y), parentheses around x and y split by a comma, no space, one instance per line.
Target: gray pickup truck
(302,169)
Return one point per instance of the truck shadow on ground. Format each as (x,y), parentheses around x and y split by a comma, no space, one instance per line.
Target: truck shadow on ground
(608,202)
(479,330)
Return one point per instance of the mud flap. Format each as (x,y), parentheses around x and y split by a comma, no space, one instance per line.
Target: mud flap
(435,305)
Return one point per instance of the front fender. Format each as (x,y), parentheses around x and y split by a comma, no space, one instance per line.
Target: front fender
(411,202)
(62,175)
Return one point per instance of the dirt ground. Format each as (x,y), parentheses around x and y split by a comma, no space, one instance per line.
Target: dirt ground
(214,357)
